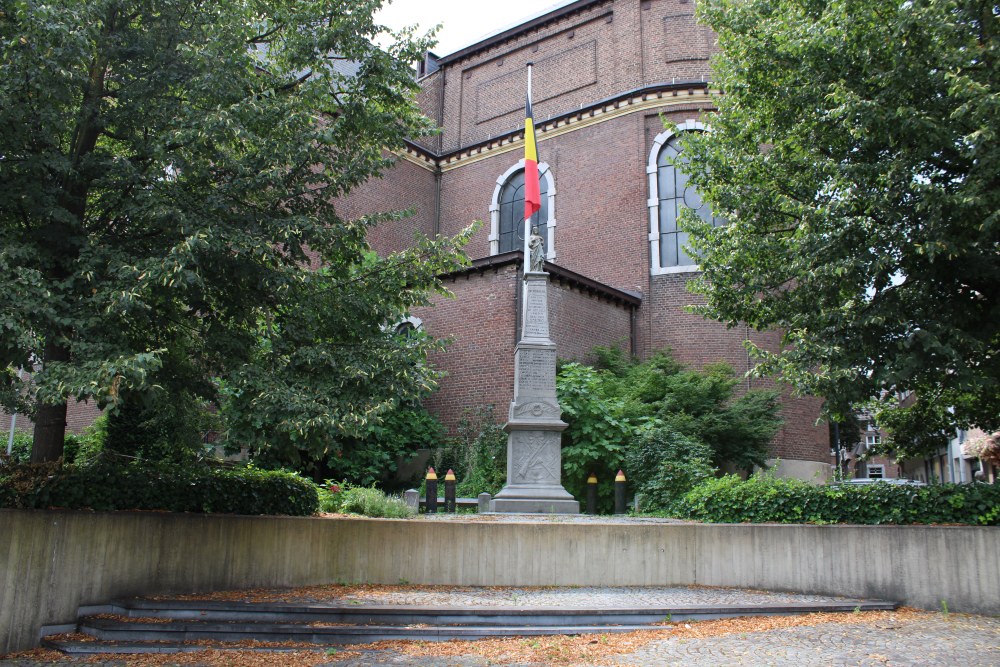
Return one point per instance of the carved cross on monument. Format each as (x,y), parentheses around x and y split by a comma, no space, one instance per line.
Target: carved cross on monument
(534,428)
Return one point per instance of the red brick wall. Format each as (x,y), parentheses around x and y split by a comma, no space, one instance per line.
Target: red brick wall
(595,53)
(578,321)
(78,417)
(696,341)
(404,186)
(479,363)
(481,321)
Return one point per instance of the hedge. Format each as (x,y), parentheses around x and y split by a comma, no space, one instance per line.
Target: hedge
(110,484)
(763,499)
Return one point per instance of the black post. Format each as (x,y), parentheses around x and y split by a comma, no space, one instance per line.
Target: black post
(592,494)
(431,503)
(620,493)
(449,491)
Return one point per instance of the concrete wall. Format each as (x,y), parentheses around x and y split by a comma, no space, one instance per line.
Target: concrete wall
(51,562)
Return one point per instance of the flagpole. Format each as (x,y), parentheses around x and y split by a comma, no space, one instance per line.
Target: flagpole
(527,219)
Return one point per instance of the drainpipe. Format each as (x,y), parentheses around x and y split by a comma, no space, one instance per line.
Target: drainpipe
(633,331)
(436,224)
(13,420)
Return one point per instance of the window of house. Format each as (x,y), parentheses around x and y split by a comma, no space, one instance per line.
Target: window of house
(873,439)
(876,471)
(507,211)
(671,193)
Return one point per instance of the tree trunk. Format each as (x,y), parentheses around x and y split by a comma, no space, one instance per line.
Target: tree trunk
(50,419)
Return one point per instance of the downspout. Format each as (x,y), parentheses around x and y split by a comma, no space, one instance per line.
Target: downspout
(436,224)
(633,331)
(437,170)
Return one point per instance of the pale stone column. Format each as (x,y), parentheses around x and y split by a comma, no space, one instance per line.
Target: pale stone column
(534,427)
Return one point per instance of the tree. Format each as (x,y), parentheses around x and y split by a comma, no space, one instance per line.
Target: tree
(855,154)
(169,176)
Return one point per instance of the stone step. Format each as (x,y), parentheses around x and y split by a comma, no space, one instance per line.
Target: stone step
(169,626)
(186,631)
(195,610)
(96,647)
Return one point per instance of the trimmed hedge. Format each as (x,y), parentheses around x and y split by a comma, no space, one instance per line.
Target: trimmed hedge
(763,499)
(143,485)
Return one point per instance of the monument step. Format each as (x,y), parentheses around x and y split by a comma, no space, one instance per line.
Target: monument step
(233,611)
(169,626)
(187,631)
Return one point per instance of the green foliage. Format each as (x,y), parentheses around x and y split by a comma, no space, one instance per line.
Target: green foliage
(855,155)
(370,457)
(367,501)
(111,484)
(168,178)
(665,464)
(595,440)
(478,455)
(21,450)
(762,498)
(153,425)
(614,408)
(88,444)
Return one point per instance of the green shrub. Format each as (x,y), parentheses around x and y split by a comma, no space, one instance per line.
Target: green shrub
(662,465)
(595,440)
(87,445)
(21,451)
(478,455)
(369,501)
(762,498)
(109,483)
(370,458)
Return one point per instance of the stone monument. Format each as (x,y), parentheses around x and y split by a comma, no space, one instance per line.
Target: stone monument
(534,428)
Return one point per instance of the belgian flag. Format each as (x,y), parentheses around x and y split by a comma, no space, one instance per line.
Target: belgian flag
(532,189)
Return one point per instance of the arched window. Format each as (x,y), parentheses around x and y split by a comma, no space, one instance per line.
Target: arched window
(670,193)
(507,211)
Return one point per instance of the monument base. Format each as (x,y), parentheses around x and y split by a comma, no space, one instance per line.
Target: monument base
(534,506)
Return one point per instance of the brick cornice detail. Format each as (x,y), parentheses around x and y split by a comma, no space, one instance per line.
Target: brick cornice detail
(633,101)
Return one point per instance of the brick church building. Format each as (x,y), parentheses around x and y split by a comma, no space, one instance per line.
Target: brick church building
(606,75)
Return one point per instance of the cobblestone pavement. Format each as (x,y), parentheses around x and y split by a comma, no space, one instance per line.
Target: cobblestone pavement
(934,640)
(924,640)
(574,598)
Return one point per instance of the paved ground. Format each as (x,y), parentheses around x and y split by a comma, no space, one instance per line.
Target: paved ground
(880,639)
(582,597)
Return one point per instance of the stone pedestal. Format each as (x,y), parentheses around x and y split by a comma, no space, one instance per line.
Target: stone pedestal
(534,427)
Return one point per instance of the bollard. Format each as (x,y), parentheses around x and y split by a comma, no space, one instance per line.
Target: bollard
(449,491)
(412,499)
(592,494)
(431,504)
(620,493)
(484,502)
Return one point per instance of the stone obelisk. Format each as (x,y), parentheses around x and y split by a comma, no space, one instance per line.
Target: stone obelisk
(534,428)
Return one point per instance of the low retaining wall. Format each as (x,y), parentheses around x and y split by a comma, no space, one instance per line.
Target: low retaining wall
(51,562)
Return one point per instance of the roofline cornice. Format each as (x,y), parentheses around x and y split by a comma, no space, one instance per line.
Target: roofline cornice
(653,92)
(558,274)
(510,33)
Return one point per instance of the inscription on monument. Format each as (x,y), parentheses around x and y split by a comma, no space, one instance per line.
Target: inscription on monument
(534,372)
(536,323)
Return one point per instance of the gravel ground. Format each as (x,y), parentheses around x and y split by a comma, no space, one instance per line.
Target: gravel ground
(866,639)
(878,640)
(575,598)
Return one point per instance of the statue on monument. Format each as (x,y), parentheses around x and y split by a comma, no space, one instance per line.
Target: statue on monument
(536,246)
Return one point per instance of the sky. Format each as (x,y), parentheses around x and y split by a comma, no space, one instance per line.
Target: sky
(463,22)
